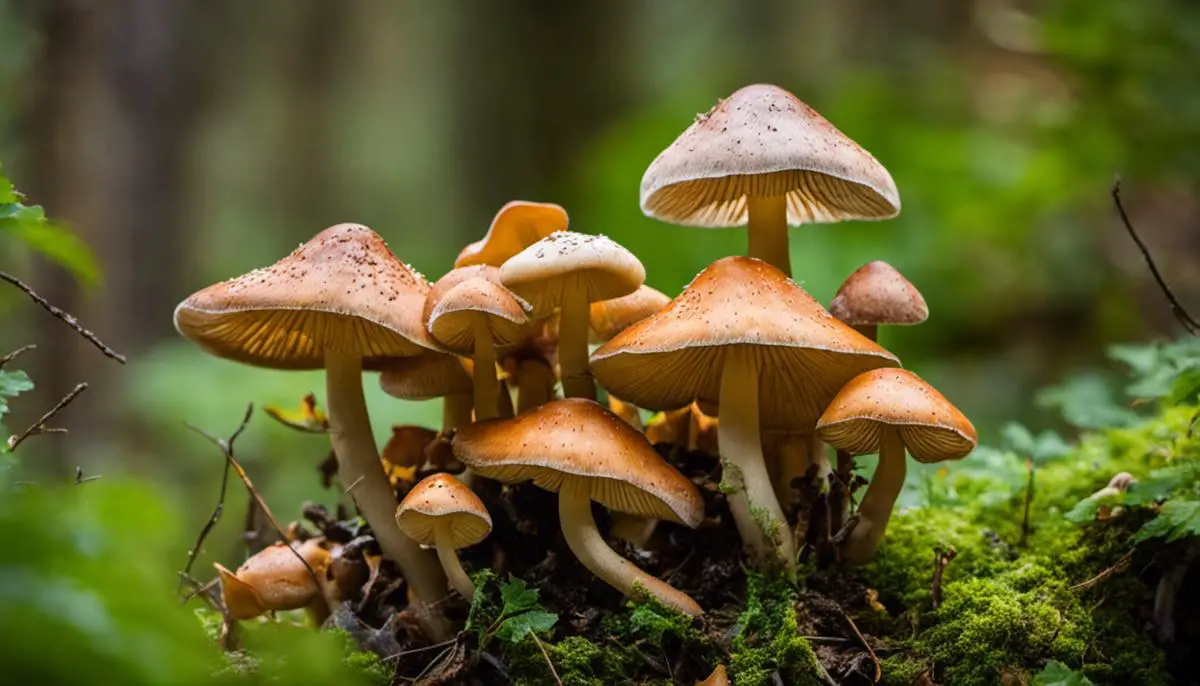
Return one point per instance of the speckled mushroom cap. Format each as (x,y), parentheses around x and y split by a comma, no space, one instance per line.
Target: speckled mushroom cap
(427,376)
(933,430)
(452,322)
(280,579)
(579,440)
(443,498)
(878,294)
(342,291)
(763,141)
(541,272)
(610,317)
(676,356)
(451,279)
(516,226)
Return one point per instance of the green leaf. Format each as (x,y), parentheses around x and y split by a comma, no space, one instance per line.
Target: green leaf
(54,242)
(1084,511)
(1086,401)
(12,384)
(1186,387)
(515,628)
(517,598)
(1057,674)
(1177,519)
(1044,446)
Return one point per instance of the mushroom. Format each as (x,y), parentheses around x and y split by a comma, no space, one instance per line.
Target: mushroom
(406,449)
(535,380)
(433,375)
(744,335)
(608,318)
(341,301)
(875,294)
(516,226)
(570,271)
(885,411)
(717,678)
(763,159)
(475,317)
(580,450)
(443,512)
(275,578)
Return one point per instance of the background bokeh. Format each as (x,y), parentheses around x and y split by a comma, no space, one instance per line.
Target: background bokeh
(187,141)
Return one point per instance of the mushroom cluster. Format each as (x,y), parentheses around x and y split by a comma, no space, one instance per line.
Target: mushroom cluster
(519,338)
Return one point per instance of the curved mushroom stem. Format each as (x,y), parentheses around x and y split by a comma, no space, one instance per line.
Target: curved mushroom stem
(573,343)
(456,411)
(767,229)
(535,384)
(360,468)
(877,504)
(459,580)
(487,386)
(635,530)
(756,511)
(579,528)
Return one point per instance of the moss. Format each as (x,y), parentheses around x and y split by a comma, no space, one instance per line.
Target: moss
(768,639)
(901,670)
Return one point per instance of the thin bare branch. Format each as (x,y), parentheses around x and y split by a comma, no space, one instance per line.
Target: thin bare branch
(80,479)
(15,354)
(66,317)
(862,639)
(941,560)
(1121,565)
(39,427)
(1190,324)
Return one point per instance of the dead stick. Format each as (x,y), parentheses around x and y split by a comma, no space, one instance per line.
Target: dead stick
(1185,318)
(220,508)
(40,425)
(941,560)
(65,317)
(553,671)
(15,354)
(863,640)
(1121,565)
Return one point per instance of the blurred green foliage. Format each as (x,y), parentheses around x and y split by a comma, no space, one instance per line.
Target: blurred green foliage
(27,225)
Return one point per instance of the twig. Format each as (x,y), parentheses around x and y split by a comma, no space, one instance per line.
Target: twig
(39,426)
(941,560)
(413,651)
(863,640)
(15,354)
(553,672)
(226,447)
(201,589)
(65,317)
(81,479)
(1121,565)
(1028,502)
(1186,319)
(220,508)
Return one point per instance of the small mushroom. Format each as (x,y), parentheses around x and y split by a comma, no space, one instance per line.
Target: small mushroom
(580,450)
(275,579)
(764,159)
(515,227)
(570,271)
(876,294)
(885,411)
(717,678)
(441,511)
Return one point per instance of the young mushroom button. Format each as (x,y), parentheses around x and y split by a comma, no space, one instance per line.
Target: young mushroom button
(441,511)
(876,294)
(885,411)
(570,271)
(583,452)
(763,159)
(341,301)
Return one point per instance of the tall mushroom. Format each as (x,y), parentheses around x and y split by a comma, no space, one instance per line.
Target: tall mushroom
(886,411)
(474,318)
(764,159)
(570,271)
(341,301)
(744,335)
(580,450)
(518,225)
(443,512)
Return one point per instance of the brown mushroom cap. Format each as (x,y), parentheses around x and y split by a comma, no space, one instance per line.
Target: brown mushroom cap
(675,356)
(932,429)
(580,440)
(443,498)
(878,294)
(540,273)
(451,279)
(717,678)
(452,322)
(406,446)
(517,225)
(610,317)
(342,291)
(427,376)
(280,579)
(763,141)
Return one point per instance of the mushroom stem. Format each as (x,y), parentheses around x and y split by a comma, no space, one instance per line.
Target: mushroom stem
(767,229)
(360,469)
(871,331)
(456,411)
(535,384)
(487,386)
(877,504)
(793,459)
(579,528)
(459,580)
(634,530)
(756,511)
(573,343)
(839,498)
